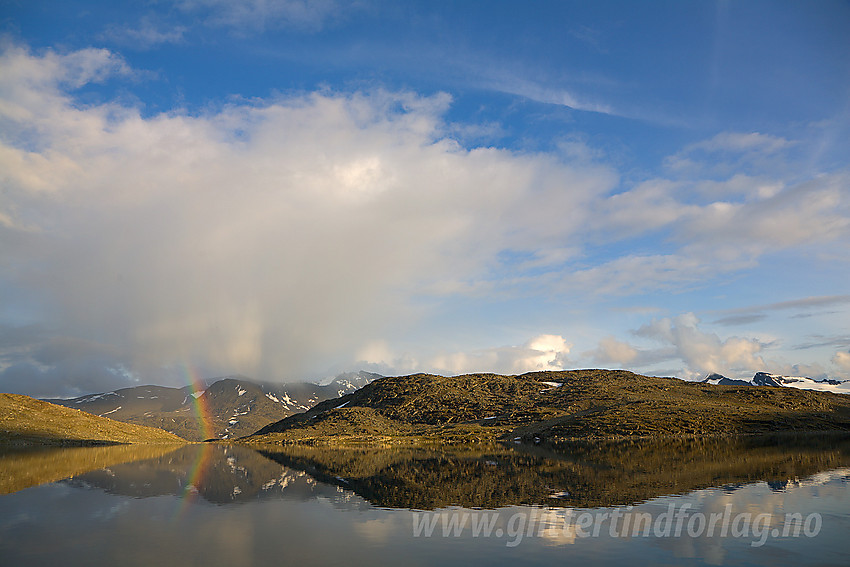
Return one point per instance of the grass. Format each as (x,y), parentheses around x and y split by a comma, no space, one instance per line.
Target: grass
(27,422)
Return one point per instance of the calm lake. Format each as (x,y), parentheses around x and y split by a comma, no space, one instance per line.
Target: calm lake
(759,501)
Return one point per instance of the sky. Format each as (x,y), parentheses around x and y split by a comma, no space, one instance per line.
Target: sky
(289,189)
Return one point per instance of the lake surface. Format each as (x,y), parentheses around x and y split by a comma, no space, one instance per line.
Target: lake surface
(778,501)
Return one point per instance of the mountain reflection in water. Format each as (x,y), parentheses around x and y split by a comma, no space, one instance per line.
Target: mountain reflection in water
(220,474)
(212,504)
(579,474)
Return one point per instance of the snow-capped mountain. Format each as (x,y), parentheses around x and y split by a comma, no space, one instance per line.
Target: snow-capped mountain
(779,381)
(802,382)
(227,408)
(719,379)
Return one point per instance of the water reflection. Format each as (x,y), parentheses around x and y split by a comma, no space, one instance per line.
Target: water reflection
(231,505)
(220,474)
(24,468)
(577,474)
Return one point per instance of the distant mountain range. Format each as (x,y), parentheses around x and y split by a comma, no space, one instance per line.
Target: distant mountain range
(779,381)
(230,407)
(721,380)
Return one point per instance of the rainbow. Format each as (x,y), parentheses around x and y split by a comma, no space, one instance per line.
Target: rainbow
(199,401)
(200,407)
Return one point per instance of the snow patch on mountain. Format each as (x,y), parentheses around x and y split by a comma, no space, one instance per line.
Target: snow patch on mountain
(801,382)
(721,380)
(94,397)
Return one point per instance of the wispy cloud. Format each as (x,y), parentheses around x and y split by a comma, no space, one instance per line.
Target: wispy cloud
(740,142)
(730,153)
(545,94)
(148,33)
(741,319)
(591,36)
(258,15)
(818,341)
(802,304)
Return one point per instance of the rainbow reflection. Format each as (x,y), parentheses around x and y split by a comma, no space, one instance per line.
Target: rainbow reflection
(195,481)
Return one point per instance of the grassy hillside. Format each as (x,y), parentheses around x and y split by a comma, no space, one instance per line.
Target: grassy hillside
(25,421)
(552,407)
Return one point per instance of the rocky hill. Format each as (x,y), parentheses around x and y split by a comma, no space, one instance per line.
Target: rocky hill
(554,406)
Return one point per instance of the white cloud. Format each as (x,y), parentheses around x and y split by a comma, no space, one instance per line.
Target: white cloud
(816,211)
(646,207)
(704,352)
(24,73)
(612,350)
(681,340)
(842,361)
(260,237)
(712,237)
(543,352)
(686,350)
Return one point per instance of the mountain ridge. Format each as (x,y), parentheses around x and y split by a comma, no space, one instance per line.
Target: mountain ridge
(780,381)
(228,407)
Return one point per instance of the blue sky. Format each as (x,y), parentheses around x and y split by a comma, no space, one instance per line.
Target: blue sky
(288,189)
